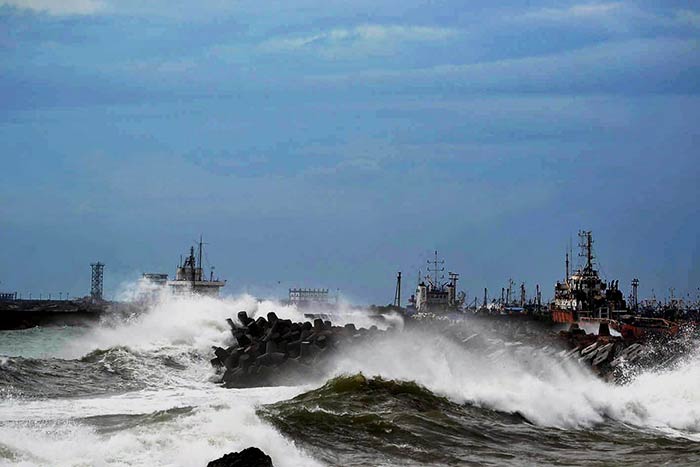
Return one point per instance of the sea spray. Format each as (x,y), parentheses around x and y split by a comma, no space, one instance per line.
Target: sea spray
(526,380)
(502,401)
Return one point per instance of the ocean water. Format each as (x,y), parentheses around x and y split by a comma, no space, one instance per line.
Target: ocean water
(140,391)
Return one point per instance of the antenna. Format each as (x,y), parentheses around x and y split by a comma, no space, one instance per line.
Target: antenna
(438,267)
(200,251)
(201,244)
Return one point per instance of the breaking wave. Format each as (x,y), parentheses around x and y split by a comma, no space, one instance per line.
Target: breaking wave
(136,390)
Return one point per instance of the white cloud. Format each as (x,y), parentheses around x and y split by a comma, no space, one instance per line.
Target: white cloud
(591,10)
(58,7)
(368,36)
(591,68)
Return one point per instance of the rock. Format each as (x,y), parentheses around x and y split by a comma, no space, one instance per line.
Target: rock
(262,323)
(231,361)
(275,351)
(215,362)
(243,318)
(249,457)
(221,354)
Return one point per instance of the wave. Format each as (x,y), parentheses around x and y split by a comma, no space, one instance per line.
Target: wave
(109,371)
(192,322)
(115,422)
(173,427)
(419,396)
(356,420)
(490,371)
(531,380)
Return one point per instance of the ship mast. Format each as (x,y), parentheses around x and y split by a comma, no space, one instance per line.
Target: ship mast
(437,269)
(397,293)
(200,252)
(193,267)
(586,245)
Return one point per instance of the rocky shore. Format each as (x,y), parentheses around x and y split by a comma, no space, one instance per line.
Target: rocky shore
(616,358)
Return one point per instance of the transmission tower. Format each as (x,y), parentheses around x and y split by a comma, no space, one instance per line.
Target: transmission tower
(96,282)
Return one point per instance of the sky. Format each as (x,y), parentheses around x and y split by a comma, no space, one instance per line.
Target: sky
(331,144)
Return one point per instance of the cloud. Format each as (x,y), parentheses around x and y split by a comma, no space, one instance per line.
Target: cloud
(592,10)
(57,7)
(664,64)
(375,37)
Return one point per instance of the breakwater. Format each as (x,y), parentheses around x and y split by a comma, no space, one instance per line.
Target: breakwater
(273,351)
(22,314)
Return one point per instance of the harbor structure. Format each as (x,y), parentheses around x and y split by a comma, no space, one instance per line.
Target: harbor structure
(301,297)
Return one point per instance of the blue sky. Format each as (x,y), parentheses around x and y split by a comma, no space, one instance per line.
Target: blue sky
(334,143)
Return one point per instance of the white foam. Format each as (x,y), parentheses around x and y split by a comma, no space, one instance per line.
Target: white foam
(195,323)
(222,421)
(537,385)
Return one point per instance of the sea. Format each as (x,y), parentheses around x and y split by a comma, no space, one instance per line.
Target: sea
(139,390)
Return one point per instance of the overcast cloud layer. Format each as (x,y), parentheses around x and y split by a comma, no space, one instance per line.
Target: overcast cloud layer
(334,143)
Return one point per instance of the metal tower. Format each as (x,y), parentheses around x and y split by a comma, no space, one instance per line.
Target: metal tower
(635,296)
(586,246)
(96,283)
(438,268)
(397,294)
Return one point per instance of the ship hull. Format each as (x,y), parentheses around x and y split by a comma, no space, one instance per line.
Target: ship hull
(563,316)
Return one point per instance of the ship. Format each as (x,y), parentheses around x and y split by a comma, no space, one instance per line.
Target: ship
(435,296)
(583,295)
(189,276)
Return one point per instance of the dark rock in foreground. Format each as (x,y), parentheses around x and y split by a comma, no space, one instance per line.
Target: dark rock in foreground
(249,457)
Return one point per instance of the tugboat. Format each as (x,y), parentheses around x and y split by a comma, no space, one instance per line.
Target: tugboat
(583,295)
(434,296)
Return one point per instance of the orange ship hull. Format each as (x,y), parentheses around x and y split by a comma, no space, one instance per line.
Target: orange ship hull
(563,316)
